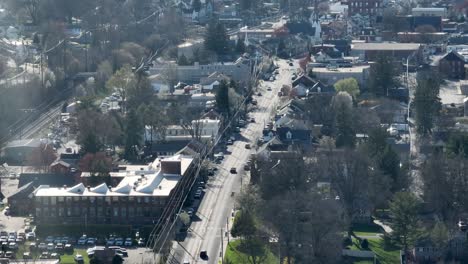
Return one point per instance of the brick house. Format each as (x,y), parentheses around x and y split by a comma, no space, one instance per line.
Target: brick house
(452,65)
(364,7)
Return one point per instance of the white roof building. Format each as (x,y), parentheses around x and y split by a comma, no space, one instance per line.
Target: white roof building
(158,178)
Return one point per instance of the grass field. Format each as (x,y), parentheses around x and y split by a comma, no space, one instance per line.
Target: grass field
(68,259)
(388,255)
(235,256)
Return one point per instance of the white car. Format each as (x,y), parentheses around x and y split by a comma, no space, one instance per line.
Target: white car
(50,246)
(128,242)
(78,258)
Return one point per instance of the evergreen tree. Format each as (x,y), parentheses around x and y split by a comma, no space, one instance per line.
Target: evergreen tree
(222,97)
(240,46)
(183,61)
(216,38)
(384,75)
(426,103)
(346,136)
(404,218)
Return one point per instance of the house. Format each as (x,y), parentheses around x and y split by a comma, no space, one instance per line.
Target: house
(18,151)
(60,167)
(158,149)
(364,7)
(291,135)
(452,65)
(212,82)
(139,199)
(21,201)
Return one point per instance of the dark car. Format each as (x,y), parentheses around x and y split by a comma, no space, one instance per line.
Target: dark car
(204,255)
(233,170)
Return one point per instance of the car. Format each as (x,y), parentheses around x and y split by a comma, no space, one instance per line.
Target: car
(49,239)
(19,240)
(42,246)
(190,211)
(91,241)
(65,240)
(12,246)
(27,255)
(259,94)
(291,64)
(44,255)
(198,194)
(186,261)
(22,234)
(204,255)
(254,102)
(31,236)
(55,256)
(12,239)
(82,241)
(50,246)
(78,258)
(9,254)
(119,241)
(233,170)
(237,129)
(128,242)
(269,89)
(246,167)
(59,247)
(3,233)
(57,240)
(32,246)
(110,241)
(122,252)
(210,172)
(229,142)
(252,120)
(68,248)
(141,242)
(247,146)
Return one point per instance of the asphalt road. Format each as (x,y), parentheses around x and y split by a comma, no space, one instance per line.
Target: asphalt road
(217,203)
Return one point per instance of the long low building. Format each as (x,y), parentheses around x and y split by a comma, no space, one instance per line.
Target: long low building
(138,199)
(369,51)
(330,75)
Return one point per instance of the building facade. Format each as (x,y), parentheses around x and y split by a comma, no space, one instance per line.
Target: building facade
(139,199)
(452,65)
(364,7)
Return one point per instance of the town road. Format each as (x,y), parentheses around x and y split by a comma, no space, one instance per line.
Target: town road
(210,221)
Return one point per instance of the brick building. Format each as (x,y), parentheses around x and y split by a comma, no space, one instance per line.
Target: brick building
(452,65)
(139,199)
(364,7)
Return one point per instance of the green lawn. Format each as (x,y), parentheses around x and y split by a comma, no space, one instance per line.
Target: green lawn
(366,229)
(235,255)
(385,256)
(68,259)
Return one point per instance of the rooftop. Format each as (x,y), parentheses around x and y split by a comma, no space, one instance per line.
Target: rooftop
(385,46)
(357,69)
(155,179)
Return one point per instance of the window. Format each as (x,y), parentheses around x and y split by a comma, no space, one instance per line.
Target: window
(115,198)
(38,211)
(76,198)
(92,199)
(146,199)
(139,211)
(123,211)
(76,211)
(100,212)
(53,200)
(45,212)
(61,199)
(92,212)
(108,199)
(52,211)
(45,200)
(60,211)
(131,211)
(69,212)
(116,211)
(138,199)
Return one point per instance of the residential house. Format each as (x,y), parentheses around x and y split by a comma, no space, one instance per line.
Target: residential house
(21,202)
(60,167)
(212,82)
(139,199)
(18,151)
(452,65)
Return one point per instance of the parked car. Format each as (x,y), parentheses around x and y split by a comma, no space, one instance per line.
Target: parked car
(198,194)
(10,255)
(229,142)
(128,242)
(110,241)
(141,242)
(27,255)
(50,246)
(119,241)
(42,246)
(233,170)
(31,236)
(49,239)
(91,241)
(44,255)
(247,146)
(82,241)
(69,248)
(78,258)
